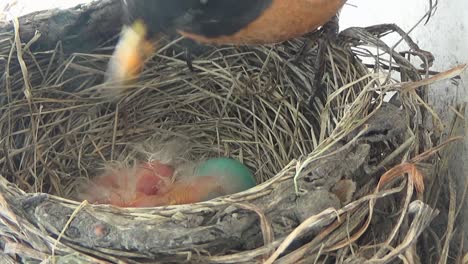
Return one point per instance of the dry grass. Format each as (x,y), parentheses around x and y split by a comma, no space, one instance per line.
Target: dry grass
(58,125)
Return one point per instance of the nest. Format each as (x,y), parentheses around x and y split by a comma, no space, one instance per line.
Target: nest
(339,169)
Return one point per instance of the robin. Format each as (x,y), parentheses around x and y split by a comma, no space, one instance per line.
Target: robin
(218,22)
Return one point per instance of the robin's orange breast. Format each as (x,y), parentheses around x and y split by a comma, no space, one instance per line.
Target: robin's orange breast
(281,20)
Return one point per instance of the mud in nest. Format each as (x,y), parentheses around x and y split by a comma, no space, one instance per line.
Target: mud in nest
(306,116)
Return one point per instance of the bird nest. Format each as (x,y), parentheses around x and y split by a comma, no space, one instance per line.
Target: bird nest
(339,169)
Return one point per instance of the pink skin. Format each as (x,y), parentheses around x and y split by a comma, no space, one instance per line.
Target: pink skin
(152,177)
(122,187)
(182,192)
(149,185)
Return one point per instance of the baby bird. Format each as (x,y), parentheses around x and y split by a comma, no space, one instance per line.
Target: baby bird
(150,184)
(123,186)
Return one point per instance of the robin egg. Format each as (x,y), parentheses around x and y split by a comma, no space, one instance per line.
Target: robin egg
(233,175)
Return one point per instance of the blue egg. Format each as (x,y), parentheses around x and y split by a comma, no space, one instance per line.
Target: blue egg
(234,176)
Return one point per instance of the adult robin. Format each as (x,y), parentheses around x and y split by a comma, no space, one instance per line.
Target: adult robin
(218,22)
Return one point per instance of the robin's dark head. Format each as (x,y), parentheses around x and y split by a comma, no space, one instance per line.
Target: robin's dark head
(209,18)
(157,15)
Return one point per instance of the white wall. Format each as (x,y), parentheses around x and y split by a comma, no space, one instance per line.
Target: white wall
(446,34)
(27,6)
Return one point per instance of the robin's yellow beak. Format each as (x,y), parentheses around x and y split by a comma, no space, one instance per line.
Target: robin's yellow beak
(130,54)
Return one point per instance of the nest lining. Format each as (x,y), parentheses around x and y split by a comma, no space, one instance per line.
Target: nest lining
(251,103)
